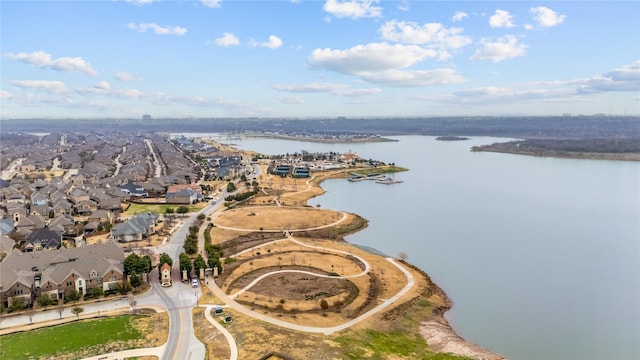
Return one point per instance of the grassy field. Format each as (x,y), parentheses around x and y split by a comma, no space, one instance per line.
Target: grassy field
(372,344)
(160,208)
(380,170)
(68,338)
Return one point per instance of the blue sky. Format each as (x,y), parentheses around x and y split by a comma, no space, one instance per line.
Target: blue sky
(323,58)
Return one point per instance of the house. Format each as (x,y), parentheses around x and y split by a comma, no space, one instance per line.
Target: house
(6,226)
(61,206)
(134,190)
(86,207)
(165,275)
(100,216)
(39,198)
(184,196)
(63,223)
(43,239)
(55,272)
(78,195)
(42,210)
(135,229)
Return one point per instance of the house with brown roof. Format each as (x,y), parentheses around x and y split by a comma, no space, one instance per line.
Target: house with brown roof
(165,275)
(30,275)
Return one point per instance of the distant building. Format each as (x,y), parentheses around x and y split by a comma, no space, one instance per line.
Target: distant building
(134,190)
(282,169)
(165,273)
(146,117)
(301,172)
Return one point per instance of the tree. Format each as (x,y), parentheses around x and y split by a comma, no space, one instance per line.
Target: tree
(169,210)
(165,259)
(97,292)
(182,209)
(135,280)
(123,288)
(132,302)
(199,263)
(45,300)
(403,256)
(185,263)
(324,305)
(144,265)
(131,264)
(17,304)
(231,187)
(72,296)
(76,311)
(60,307)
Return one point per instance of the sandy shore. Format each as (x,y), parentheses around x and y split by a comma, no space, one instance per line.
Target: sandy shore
(442,338)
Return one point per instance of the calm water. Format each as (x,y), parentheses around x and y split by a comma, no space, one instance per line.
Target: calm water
(540,256)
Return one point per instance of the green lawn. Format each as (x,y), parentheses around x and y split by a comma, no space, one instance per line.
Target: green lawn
(160,208)
(386,169)
(371,344)
(67,338)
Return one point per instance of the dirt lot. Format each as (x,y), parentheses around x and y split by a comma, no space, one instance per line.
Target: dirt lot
(273,218)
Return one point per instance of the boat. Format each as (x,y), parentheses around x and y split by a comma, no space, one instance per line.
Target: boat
(388,181)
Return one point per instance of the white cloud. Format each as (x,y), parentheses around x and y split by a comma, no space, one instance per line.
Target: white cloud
(126,94)
(353,8)
(157,29)
(44,60)
(310,87)
(5,94)
(370,57)
(56,87)
(293,99)
(403,5)
(226,40)
(430,34)
(335,89)
(103,85)
(125,76)
(211,3)
(504,48)
(546,17)
(140,2)
(273,43)
(459,16)
(626,78)
(358,92)
(500,19)
(404,78)
(501,95)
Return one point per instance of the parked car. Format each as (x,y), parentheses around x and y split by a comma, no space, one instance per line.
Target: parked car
(194,283)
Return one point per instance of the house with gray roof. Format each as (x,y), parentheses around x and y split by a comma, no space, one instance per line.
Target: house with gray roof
(137,228)
(42,239)
(55,272)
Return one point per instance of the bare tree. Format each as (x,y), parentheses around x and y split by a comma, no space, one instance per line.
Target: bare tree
(60,306)
(403,256)
(132,302)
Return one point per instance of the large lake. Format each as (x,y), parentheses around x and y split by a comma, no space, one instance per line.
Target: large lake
(540,256)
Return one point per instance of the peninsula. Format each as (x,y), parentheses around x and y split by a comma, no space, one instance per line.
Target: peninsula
(258,258)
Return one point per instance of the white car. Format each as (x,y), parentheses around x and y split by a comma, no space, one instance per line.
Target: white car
(194,283)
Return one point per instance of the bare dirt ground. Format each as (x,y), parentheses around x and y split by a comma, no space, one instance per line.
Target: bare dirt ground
(277,218)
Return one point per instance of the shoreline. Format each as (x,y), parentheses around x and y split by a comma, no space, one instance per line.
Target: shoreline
(320,140)
(436,332)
